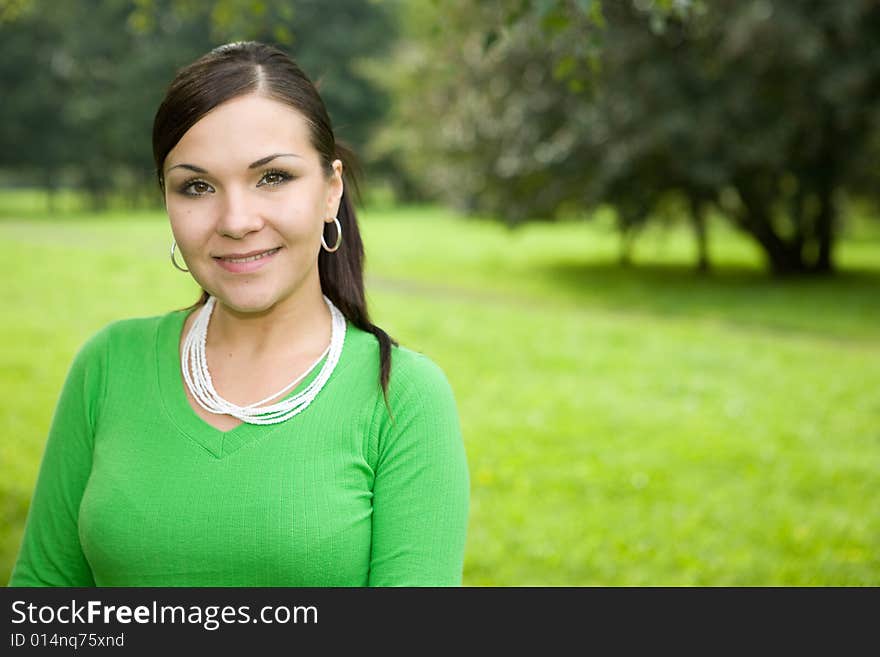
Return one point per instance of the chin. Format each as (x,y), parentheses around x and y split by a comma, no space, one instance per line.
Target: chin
(246,302)
(248,306)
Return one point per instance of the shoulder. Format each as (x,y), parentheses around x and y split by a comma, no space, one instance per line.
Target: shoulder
(127,335)
(420,423)
(414,374)
(420,395)
(133,327)
(132,330)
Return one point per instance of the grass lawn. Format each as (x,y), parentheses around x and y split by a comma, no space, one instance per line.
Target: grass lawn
(624,426)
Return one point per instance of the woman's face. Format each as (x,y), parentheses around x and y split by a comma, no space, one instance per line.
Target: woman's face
(248,197)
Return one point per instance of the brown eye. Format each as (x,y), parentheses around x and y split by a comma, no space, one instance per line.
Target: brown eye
(196,188)
(273,178)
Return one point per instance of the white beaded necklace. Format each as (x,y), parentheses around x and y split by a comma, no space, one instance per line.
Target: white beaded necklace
(194,365)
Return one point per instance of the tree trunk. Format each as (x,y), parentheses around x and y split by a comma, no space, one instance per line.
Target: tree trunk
(783,258)
(624,257)
(698,221)
(825,233)
(51,199)
(51,189)
(825,185)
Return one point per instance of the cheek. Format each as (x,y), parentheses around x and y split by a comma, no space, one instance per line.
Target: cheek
(298,219)
(186,225)
(179,226)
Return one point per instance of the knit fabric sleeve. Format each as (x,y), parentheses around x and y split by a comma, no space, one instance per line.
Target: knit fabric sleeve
(50,553)
(421,489)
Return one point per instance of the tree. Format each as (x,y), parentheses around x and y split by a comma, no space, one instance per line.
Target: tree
(766,112)
(82,80)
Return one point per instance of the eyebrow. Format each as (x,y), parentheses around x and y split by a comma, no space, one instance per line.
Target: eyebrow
(252,165)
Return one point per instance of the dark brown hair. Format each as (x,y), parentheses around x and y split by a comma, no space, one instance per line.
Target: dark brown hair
(247,67)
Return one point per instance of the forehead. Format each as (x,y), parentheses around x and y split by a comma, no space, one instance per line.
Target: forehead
(244,129)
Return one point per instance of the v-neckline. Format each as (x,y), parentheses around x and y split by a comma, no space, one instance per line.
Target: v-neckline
(172,390)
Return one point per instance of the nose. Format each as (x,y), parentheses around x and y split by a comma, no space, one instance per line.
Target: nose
(238,217)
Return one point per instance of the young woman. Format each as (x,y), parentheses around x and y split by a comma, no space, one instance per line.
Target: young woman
(270,435)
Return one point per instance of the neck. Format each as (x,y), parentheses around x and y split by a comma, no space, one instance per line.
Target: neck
(298,324)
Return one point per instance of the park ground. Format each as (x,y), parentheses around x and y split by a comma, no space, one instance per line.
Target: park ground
(624,426)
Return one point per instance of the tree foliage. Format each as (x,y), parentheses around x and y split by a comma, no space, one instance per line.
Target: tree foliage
(82,80)
(764,112)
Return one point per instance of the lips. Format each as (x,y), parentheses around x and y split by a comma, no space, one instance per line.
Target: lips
(245,263)
(250,256)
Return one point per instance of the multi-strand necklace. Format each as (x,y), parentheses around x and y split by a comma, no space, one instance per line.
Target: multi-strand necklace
(194,365)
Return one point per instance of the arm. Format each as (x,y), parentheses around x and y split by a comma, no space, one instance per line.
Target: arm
(421,490)
(50,553)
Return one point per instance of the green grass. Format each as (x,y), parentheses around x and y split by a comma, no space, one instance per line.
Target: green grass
(624,426)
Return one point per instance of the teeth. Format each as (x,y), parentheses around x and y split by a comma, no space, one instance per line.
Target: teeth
(251,258)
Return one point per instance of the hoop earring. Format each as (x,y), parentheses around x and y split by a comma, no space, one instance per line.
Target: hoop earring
(173,261)
(338,237)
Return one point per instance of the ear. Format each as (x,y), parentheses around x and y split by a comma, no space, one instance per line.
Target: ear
(334,192)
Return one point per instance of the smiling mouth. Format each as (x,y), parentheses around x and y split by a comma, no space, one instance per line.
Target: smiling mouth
(249,258)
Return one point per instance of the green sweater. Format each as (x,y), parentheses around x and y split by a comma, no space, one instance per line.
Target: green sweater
(136,490)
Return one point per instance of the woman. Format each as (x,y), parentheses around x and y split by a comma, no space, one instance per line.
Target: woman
(270,435)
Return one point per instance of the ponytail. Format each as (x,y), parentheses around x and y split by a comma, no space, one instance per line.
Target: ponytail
(342,272)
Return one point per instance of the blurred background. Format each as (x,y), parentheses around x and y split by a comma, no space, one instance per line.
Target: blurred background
(642,239)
